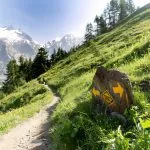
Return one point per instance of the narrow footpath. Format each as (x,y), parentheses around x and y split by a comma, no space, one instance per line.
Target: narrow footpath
(31,134)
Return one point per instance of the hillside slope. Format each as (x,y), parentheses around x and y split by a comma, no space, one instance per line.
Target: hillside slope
(34,131)
(126,48)
(22,104)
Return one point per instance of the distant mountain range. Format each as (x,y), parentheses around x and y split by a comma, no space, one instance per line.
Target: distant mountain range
(15,43)
(66,43)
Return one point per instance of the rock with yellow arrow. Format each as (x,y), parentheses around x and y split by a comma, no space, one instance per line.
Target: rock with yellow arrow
(111,90)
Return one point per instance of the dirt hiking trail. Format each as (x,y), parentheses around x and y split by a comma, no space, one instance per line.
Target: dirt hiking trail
(31,134)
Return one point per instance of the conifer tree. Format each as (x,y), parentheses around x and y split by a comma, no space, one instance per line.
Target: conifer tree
(53,57)
(28,69)
(103,25)
(123,10)
(113,12)
(97,21)
(25,68)
(40,63)
(89,32)
(107,14)
(130,7)
(22,67)
(73,49)
(13,79)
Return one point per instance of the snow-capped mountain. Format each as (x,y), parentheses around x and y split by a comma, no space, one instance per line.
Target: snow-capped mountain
(13,44)
(66,43)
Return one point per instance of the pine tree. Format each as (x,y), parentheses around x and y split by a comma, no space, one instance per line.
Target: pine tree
(22,67)
(40,63)
(123,10)
(60,54)
(13,79)
(130,7)
(97,21)
(113,12)
(103,25)
(53,57)
(107,15)
(28,70)
(89,32)
(25,68)
(73,49)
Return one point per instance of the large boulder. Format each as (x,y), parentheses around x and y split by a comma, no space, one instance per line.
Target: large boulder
(111,90)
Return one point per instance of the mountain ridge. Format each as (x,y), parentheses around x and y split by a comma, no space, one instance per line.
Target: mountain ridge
(15,43)
(66,43)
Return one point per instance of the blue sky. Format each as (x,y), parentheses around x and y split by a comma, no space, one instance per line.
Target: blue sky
(45,20)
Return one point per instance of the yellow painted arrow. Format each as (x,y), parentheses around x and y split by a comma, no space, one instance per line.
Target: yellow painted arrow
(95,92)
(118,90)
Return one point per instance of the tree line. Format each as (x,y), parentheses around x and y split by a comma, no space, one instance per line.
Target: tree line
(24,70)
(115,12)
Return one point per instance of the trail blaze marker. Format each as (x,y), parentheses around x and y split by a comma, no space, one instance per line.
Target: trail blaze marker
(113,90)
(118,89)
(95,92)
(107,97)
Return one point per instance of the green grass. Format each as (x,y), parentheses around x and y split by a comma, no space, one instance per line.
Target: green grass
(126,48)
(22,104)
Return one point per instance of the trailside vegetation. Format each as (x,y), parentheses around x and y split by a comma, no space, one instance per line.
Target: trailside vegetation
(75,124)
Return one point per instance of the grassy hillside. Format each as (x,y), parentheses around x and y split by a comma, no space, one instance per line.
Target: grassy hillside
(126,48)
(22,104)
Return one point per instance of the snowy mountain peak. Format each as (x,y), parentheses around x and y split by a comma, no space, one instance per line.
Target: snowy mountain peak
(13,44)
(11,34)
(66,43)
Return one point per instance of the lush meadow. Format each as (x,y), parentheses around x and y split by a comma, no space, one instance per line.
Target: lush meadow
(76,126)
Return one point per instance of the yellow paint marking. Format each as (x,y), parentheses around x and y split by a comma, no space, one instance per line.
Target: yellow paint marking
(118,89)
(107,97)
(95,92)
